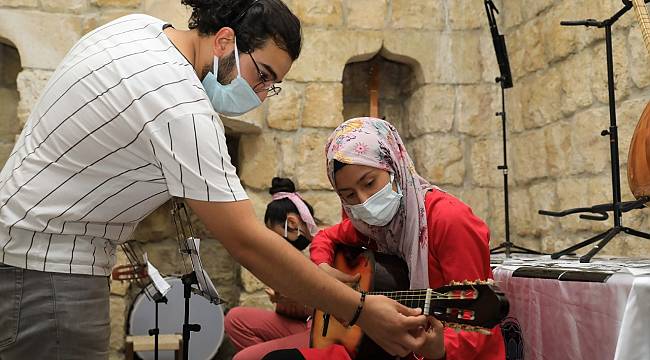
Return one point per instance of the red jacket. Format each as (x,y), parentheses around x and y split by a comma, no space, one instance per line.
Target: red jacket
(458,250)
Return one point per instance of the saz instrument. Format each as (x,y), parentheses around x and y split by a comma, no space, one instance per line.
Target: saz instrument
(468,306)
(638,158)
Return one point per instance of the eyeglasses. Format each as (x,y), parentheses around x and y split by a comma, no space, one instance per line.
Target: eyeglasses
(260,87)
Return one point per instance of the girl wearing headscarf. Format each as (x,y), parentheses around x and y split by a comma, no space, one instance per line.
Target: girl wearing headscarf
(391,209)
(255,332)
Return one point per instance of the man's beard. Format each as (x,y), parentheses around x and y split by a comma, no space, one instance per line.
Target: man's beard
(226,66)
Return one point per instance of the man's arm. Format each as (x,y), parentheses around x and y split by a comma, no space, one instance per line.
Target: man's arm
(279,265)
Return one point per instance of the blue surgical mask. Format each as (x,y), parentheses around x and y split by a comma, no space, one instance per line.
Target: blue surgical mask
(234,99)
(380,208)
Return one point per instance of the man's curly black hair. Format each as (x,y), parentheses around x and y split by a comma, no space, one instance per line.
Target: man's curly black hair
(254,22)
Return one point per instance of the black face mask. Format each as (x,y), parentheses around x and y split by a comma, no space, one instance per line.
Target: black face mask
(300,243)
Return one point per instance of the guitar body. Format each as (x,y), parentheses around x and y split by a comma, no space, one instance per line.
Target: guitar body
(638,158)
(378,273)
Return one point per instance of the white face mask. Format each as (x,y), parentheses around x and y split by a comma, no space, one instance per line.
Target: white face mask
(380,208)
(234,99)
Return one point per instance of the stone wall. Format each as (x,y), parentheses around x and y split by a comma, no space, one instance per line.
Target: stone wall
(438,88)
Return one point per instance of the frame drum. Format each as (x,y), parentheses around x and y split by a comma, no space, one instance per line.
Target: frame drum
(203,344)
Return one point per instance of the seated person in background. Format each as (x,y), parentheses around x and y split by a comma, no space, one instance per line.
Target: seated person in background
(391,209)
(254,331)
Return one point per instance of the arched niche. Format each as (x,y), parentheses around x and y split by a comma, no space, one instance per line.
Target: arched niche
(393,81)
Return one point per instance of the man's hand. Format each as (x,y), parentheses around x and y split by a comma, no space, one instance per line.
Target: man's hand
(434,340)
(392,325)
(340,275)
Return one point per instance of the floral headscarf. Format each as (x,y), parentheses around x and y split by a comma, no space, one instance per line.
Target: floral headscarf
(376,143)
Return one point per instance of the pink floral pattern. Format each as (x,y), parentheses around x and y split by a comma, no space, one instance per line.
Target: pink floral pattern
(376,143)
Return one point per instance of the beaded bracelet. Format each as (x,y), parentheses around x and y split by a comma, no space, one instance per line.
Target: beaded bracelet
(357,313)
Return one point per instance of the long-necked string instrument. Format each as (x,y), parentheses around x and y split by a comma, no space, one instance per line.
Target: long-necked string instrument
(638,158)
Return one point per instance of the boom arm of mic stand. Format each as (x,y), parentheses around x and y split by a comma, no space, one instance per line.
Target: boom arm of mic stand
(587,22)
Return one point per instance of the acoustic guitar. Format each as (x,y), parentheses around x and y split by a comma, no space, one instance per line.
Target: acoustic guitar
(467,306)
(638,158)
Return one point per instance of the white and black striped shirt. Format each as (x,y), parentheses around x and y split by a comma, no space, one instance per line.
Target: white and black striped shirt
(123,124)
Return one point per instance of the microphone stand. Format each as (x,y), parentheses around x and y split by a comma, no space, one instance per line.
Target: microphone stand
(505,81)
(599,212)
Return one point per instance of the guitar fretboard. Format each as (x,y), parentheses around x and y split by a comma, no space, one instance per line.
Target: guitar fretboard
(410,298)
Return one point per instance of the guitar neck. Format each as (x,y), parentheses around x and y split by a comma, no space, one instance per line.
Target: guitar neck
(411,298)
(643,18)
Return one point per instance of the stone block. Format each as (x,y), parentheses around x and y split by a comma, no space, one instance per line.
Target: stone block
(19,3)
(172,12)
(116,3)
(512,14)
(558,147)
(327,206)
(366,14)
(118,309)
(532,8)
(9,124)
(621,69)
(431,109)
(311,171)
(258,159)
(477,199)
(320,12)
(418,15)
(529,55)
(250,283)
(285,109)
(104,17)
(485,156)
(475,109)
(455,65)
(541,105)
(288,154)
(559,41)
(323,105)
(259,199)
(528,156)
(522,220)
(258,300)
(489,59)
(30,84)
(49,38)
(496,220)
(639,59)
(324,54)
(628,115)
(466,15)
(543,196)
(74,6)
(576,82)
(439,158)
(589,150)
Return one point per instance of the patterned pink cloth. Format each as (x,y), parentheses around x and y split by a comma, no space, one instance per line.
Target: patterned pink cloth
(303,211)
(376,143)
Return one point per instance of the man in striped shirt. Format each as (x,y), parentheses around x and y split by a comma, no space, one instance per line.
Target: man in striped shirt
(123,125)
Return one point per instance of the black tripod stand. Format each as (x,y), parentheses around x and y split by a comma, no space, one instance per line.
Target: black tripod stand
(599,212)
(505,80)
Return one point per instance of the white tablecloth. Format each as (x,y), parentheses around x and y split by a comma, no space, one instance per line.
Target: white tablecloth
(579,320)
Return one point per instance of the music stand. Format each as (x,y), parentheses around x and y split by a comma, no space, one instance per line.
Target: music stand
(146,277)
(618,207)
(189,247)
(505,81)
